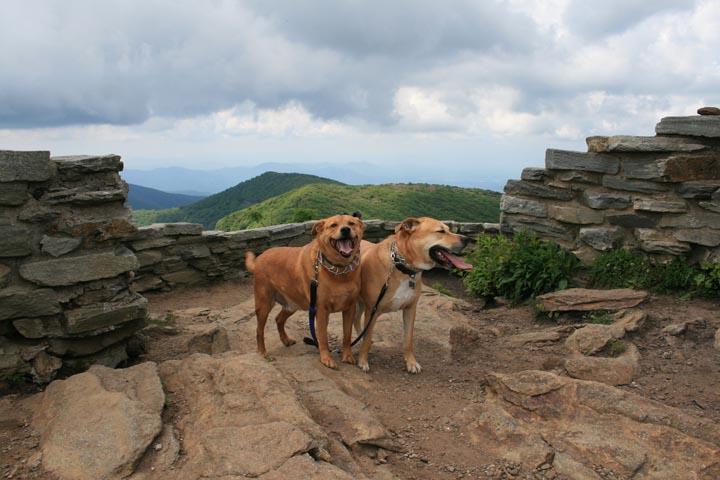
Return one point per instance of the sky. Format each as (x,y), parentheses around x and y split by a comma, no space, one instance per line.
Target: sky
(455,91)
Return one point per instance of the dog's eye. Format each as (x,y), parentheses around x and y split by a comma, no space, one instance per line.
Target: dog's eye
(352,224)
(333,225)
(441,231)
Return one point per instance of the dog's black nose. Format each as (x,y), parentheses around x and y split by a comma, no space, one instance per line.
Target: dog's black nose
(345,231)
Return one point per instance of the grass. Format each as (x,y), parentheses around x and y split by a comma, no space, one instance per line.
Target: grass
(442,289)
(615,347)
(387,202)
(601,317)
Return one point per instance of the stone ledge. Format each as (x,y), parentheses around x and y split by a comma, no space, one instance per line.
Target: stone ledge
(25,166)
(694,126)
(588,162)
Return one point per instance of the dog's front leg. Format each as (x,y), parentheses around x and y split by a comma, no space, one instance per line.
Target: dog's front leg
(321,322)
(348,317)
(408,326)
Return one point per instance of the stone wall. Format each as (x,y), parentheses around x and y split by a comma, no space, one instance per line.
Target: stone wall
(179,254)
(65,296)
(658,194)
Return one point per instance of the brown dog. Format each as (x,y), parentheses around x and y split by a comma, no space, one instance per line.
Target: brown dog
(283,275)
(418,244)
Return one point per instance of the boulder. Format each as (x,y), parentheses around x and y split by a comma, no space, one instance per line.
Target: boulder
(589,162)
(584,299)
(57,246)
(590,339)
(13,194)
(609,370)
(694,126)
(708,111)
(524,206)
(82,268)
(14,241)
(534,417)
(97,424)
(25,166)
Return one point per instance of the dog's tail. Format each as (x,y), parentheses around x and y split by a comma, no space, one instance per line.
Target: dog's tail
(250,262)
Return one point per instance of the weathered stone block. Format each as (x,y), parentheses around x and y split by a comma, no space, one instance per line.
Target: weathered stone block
(601,238)
(14,241)
(702,189)
(187,252)
(524,206)
(694,126)
(519,187)
(626,143)
(5,273)
(662,206)
(179,228)
(104,315)
(543,227)
(57,246)
(149,257)
(470,229)
(13,194)
(632,220)
(25,166)
(78,347)
(577,215)
(289,230)
(241,236)
(17,302)
(700,236)
(531,174)
(655,241)
(84,164)
(491,227)
(617,183)
(588,162)
(83,268)
(596,144)
(579,177)
(149,243)
(694,219)
(188,276)
(81,196)
(605,200)
(39,327)
(713,206)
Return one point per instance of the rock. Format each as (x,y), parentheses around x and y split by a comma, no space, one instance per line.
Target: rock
(13,194)
(188,252)
(491,227)
(242,236)
(663,206)
(654,241)
(82,196)
(632,220)
(523,206)
(288,230)
(586,255)
(242,418)
(110,357)
(18,302)
(25,166)
(702,190)
(625,143)
(188,276)
(14,241)
(700,236)
(84,346)
(522,188)
(45,367)
(533,174)
(152,243)
(575,214)
(104,315)
(617,183)
(611,371)
(149,257)
(601,238)
(82,268)
(5,273)
(700,126)
(175,229)
(548,335)
(630,320)
(303,467)
(596,144)
(12,358)
(590,339)
(578,425)
(85,164)
(543,227)
(713,206)
(584,299)
(604,200)
(99,423)
(679,328)
(589,162)
(716,343)
(39,327)
(693,219)
(57,246)
(708,111)
(578,177)
(212,340)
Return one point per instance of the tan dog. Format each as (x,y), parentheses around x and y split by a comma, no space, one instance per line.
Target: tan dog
(283,275)
(418,244)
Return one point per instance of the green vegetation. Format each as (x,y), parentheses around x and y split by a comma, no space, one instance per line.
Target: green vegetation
(602,317)
(387,202)
(210,209)
(442,289)
(615,347)
(518,268)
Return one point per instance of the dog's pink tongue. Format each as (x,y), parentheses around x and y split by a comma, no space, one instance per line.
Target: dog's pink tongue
(457,262)
(345,246)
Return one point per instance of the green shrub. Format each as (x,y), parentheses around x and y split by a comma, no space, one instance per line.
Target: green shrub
(518,269)
(706,280)
(619,269)
(676,275)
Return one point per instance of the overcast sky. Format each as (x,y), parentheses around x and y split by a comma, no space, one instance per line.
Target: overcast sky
(474,88)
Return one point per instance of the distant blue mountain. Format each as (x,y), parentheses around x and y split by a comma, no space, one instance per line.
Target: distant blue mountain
(145,198)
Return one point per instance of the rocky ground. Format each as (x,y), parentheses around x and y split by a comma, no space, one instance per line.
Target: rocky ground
(502,395)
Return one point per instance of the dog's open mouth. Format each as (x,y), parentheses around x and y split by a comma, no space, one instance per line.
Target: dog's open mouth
(444,258)
(344,246)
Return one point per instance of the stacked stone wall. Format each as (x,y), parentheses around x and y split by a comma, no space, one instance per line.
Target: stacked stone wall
(65,296)
(658,194)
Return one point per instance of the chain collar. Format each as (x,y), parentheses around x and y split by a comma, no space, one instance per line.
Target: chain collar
(401,264)
(336,270)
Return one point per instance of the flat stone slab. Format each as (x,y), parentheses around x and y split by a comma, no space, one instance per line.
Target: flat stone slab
(18,302)
(695,126)
(627,143)
(608,370)
(585,299)
(25,166)
(83,164)
(588,162)
(524,206)
(529,189)
(84,268)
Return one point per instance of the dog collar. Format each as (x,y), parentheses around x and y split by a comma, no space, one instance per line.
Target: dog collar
(401,264)
(336,269)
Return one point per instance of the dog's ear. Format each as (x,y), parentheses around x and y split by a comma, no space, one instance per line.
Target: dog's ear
(317,228)
(357,215)
(407,225)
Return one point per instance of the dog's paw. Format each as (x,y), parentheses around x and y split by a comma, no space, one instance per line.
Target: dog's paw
(413,366)
(287,341)
(364,366)
(349,358)
(328,361)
